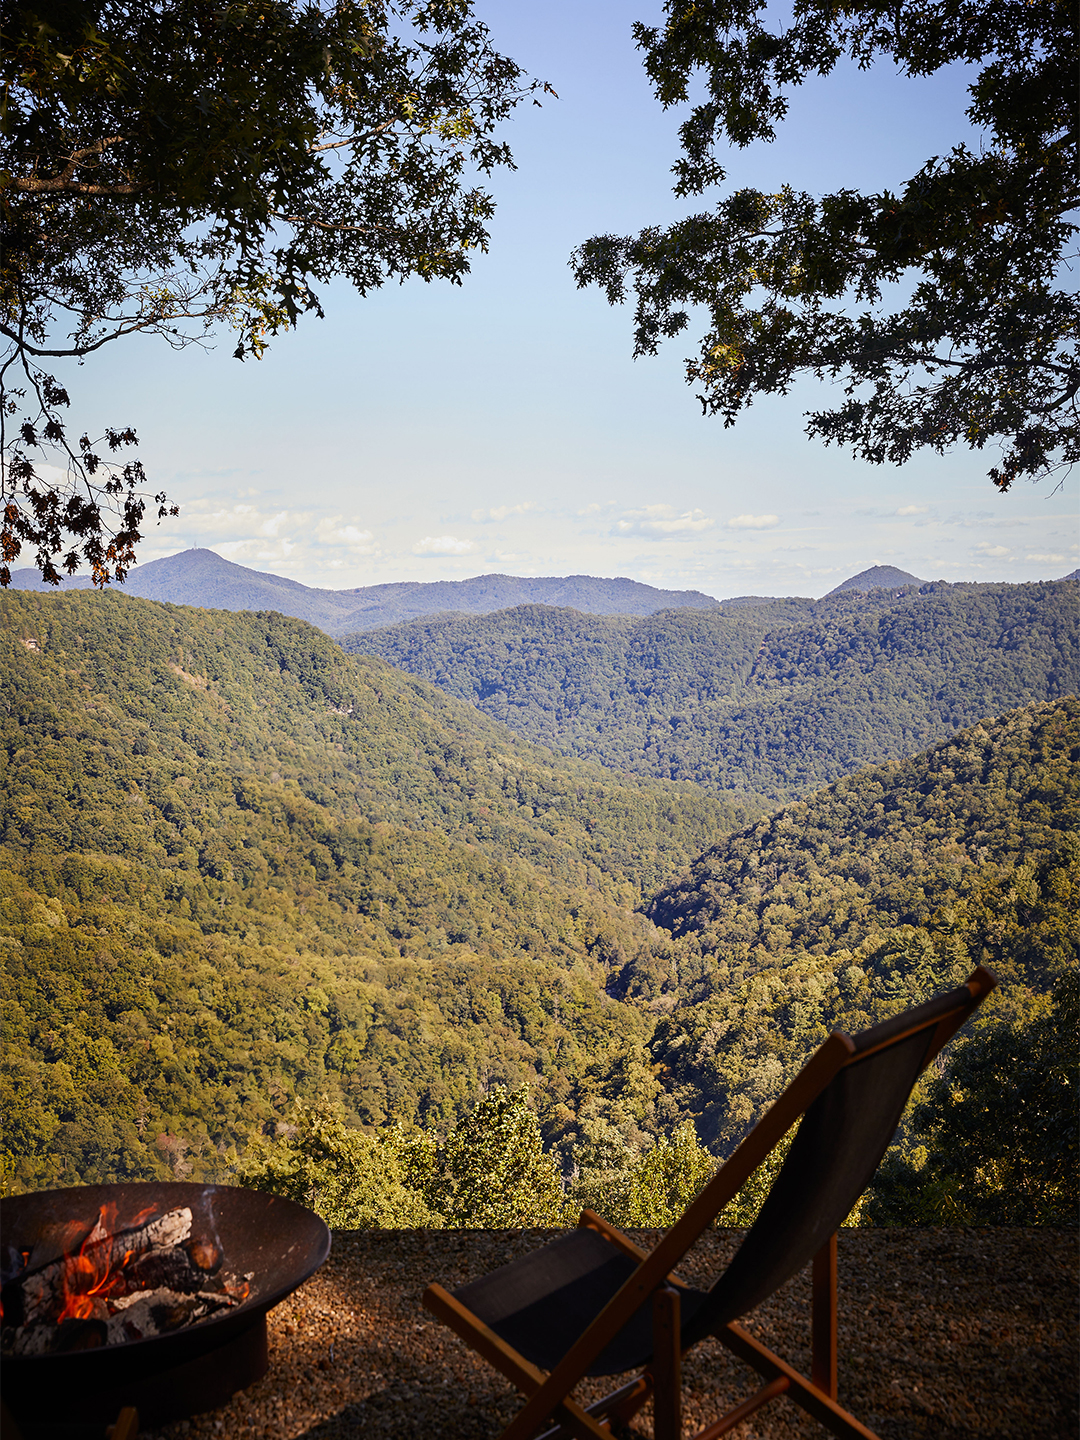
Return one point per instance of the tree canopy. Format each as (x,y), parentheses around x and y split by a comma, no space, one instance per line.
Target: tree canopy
(176,167)
(980,349)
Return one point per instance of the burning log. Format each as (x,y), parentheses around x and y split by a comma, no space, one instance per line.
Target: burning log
(146,1278)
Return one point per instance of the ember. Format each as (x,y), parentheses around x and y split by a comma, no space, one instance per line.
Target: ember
(150,1275)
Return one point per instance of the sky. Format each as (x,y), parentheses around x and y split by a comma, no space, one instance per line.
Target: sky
(429,432)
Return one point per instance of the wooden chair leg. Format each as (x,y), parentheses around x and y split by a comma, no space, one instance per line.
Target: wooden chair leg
(619,1407)
(506,1359)
(126,1427)
(823,1319)
(802,1391)
(666,1367)
(745,1410)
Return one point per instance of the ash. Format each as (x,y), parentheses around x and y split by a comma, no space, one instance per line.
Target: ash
(150,1278)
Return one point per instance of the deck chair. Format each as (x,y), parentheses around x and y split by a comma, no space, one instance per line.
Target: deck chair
(592,1303)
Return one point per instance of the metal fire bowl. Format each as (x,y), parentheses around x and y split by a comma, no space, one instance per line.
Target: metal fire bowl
(189,1370)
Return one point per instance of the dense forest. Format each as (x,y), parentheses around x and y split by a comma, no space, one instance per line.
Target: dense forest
(875,893)
(780,697)
(240,866)
(282,914)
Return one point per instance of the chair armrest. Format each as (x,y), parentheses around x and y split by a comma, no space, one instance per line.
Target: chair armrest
(590,1220)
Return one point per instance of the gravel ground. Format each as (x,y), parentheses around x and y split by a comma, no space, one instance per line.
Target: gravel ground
(944,1333)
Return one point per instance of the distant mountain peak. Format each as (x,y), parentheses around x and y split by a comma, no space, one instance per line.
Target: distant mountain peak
(206,579)
(878,577)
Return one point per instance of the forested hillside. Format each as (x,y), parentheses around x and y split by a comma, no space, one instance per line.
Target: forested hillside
(780,697)
(240,866)
(873,894)
(241,870)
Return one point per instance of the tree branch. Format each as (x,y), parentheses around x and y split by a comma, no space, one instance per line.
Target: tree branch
(65,182)
(330,225)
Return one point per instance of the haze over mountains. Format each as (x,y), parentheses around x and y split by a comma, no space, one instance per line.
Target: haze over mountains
(201,577)
(204,578)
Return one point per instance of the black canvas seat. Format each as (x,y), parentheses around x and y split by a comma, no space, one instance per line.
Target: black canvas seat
(591,1303)
(543,1301)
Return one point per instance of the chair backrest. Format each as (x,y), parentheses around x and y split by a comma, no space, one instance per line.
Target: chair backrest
(838,1146)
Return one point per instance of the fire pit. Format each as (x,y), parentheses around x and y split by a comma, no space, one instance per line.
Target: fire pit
(146,1295)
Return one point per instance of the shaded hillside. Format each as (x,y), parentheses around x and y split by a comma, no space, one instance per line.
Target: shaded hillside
(593,595)
(205,579)
(239,865)
(874,893)
(779,697)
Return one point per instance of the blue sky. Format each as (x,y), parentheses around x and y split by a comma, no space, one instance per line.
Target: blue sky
(428,432)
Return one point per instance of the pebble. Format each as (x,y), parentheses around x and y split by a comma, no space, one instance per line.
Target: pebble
(944,1334)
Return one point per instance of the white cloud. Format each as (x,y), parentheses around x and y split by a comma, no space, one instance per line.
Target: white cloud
(912,510)
(500,512)
(661,521)
(250,552)
(994,552)
(270,539)
(753,522)
(337,531)
(985,520)
(1047,559)
(442,545)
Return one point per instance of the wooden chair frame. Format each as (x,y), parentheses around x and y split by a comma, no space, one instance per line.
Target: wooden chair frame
(653,1281)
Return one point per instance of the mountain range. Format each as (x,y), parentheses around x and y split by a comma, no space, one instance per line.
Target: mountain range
(779,697)
(204,578)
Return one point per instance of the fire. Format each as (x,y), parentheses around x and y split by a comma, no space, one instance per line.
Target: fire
(237,1290)
(153,1273)
(94,1273)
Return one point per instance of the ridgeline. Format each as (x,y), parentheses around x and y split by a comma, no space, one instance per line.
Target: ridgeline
(779,697)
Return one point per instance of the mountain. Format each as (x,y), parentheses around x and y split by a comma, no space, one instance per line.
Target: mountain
(740,602)
(487,593)
(238,866)
(874,893)
(779,697)
(203,578)
(878,577)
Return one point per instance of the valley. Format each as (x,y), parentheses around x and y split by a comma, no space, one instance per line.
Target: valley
(779,697)
(243,871)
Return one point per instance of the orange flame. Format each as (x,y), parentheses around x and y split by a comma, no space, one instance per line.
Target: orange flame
(90,1275)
